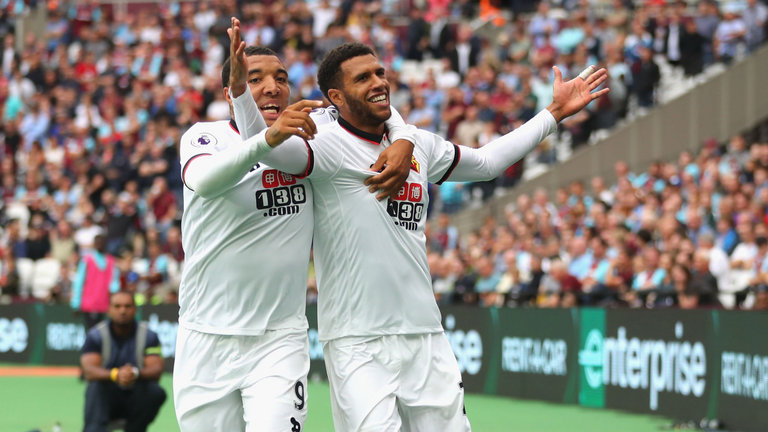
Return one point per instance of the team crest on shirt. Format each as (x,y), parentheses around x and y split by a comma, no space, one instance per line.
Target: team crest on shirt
(415,164)
(203,140)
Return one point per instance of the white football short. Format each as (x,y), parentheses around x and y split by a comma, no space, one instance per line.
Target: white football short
(241,383)
(395,383)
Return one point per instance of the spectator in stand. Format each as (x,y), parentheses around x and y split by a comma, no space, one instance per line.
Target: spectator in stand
(703,280)
(422,115)
(122,221)
(761,298)
(730,35)
(97,277)
(10,282)
(707,21)
(13,241)
(692,46)
(755,20)
(651,274)
(743,263)
(38,245)
(719,263)
(486,283)
(689,298)
(594,283)
(162,203)
(581,259)
(645,78)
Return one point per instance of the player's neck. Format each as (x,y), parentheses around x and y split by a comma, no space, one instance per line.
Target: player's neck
(123,330)
(368,126)
(369,133)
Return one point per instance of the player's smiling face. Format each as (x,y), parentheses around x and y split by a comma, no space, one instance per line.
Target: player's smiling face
(365,92)
(268,81)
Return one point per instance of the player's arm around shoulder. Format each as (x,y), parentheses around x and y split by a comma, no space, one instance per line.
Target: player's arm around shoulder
(394,163)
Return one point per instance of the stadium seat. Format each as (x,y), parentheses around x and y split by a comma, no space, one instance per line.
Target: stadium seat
(26,268)
(45,275)
(17,210)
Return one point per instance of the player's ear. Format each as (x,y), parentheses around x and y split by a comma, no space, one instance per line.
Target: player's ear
(336,97)
(226,95)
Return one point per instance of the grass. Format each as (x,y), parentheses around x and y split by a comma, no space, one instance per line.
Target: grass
(37,403)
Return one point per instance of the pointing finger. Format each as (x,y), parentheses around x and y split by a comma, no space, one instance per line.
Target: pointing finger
(305,103)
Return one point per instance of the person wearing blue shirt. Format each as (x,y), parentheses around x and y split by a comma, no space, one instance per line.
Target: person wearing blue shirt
(581,258)
(122,362)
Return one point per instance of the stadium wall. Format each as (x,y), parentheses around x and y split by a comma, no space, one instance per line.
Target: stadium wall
(686,365)
(725,105)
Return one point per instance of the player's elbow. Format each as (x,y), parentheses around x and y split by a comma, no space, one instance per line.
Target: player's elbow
(204,191)
(201,186)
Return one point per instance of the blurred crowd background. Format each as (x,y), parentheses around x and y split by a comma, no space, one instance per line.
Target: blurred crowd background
(93,106)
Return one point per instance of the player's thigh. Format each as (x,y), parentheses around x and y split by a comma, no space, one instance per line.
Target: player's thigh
(275,391)
(222,414)
(431,396)
(362,384)
(205,391)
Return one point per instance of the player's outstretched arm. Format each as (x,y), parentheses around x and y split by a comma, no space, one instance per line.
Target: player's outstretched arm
(394,163)
(286,138)
(210,175)
(491,160)
(247,115)
(213,174)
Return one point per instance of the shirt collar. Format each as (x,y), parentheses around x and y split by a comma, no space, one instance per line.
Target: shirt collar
(370,137)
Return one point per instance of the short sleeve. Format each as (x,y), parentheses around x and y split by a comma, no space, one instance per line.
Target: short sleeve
(92,342)
(196,142)
(153,346)
(442,155)
(324,156)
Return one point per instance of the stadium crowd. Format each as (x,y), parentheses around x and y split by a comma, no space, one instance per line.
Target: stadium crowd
(687,233)
(94,106)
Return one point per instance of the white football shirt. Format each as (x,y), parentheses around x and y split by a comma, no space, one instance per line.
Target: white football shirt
(247,250)
(370,255)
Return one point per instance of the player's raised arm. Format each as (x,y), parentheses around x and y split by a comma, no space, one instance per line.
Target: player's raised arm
(491,160)
(250,121)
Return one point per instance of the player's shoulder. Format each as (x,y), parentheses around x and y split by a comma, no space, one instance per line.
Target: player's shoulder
(426,138)
(325,115)
(206,134)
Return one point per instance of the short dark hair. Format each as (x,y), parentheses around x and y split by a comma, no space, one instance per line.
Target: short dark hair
(249,51)
(117,293)
(329,72)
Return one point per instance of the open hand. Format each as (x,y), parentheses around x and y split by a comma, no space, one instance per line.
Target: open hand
(238,71)
(572,96)
(294,120)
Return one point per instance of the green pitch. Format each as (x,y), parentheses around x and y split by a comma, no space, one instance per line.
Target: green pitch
(37,403)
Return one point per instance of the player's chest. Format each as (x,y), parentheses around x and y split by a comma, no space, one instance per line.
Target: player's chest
(267,193)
